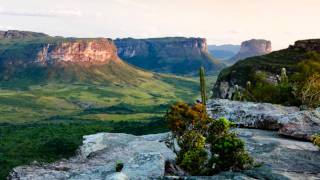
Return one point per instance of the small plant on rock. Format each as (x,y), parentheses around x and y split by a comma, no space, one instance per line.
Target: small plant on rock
(119,166)
(316,140)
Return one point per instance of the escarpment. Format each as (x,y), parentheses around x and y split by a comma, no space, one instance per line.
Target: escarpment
(43,59)
(175,55)
(79,51)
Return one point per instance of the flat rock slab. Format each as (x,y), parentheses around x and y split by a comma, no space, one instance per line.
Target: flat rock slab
(143,157)
(287,157)
(290,121)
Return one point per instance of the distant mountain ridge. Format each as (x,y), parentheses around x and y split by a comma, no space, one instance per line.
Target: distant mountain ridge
(223,52)
(15,34)
(176,55)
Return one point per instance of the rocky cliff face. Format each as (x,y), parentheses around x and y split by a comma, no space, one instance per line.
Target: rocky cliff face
(170,55)
(307,45)
(39,60)
(254,47)
(269,64)
(13,34)
(80,51)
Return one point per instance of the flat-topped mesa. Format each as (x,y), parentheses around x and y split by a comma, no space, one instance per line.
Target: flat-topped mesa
(307,45)
(14,34)
(253,47)
(170,47)
(80,51)
(177,55)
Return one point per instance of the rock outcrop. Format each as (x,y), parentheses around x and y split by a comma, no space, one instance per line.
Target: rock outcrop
(14,34)
(250,48)
(290,121)
(144,158)
(175,55)
(307,45)
(92,51)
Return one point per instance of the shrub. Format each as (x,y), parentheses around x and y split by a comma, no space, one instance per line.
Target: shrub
(119,166)
(228,153)
(316,140)
(196,131)
(194,161)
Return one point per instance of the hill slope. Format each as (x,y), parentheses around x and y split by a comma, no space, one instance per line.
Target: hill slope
(270,64)
(176,55)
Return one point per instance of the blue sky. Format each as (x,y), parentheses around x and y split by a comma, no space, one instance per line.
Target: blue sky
(220,21)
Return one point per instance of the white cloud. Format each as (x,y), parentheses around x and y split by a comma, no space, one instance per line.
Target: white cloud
(42,13)
(6,28)
(132,3)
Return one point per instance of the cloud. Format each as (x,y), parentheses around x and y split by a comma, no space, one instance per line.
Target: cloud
(6,27)
(132,3)
(42,13)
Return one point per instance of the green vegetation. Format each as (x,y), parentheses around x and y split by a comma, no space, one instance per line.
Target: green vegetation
(46,122)
(193,129)
(202,86)
(301,87)
(316,140)
(119,166)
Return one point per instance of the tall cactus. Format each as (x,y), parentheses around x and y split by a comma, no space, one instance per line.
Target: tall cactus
(202,86)
(283,76)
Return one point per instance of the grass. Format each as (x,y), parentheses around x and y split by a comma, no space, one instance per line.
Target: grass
(46,122)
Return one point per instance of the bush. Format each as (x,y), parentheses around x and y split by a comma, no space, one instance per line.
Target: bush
(195,131)
(228,153)
(119,166)
(194,161)
(316,140)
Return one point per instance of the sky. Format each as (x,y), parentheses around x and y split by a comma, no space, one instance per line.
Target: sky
(219,21)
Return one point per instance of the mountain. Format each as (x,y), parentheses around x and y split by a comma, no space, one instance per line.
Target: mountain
(36,58)
(14,34)
(176,55)
(250,48)
(223,52)
(270,64)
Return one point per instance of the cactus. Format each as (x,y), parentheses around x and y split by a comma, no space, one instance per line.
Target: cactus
(283,76)
(202,86)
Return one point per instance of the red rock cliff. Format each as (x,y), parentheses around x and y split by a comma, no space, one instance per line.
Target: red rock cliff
(80,51)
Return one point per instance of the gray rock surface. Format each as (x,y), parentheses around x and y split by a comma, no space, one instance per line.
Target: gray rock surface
(143,158)
(252,115)
(301,124)
(290,121)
